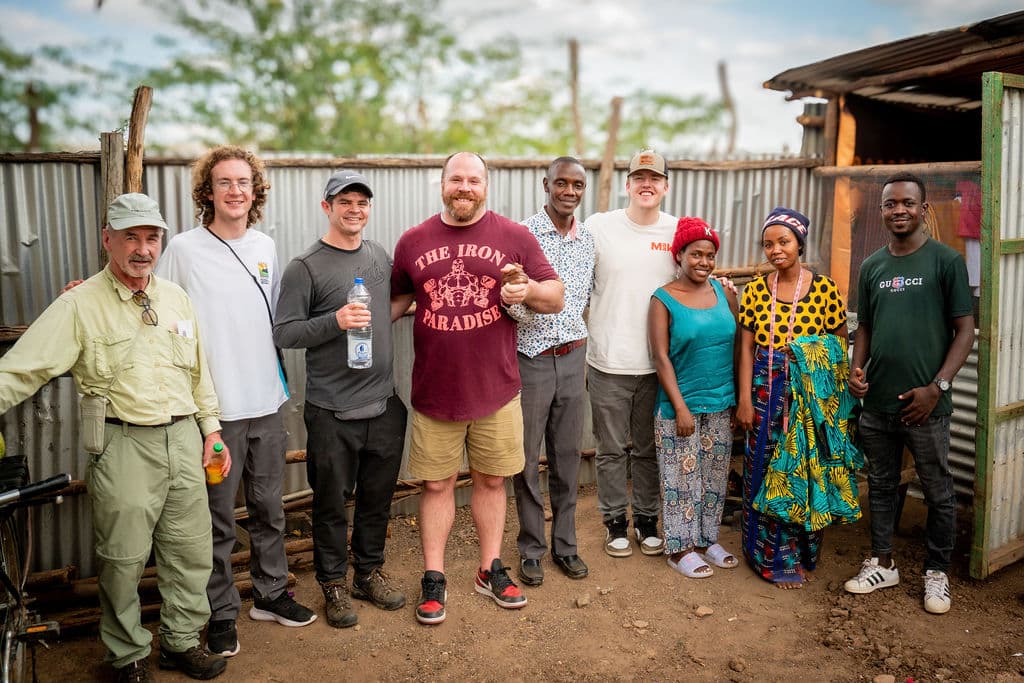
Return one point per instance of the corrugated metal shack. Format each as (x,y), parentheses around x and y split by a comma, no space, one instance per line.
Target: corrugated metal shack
(49,234)
(947,106)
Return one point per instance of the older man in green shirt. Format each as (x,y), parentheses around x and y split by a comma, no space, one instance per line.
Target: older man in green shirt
(131,342)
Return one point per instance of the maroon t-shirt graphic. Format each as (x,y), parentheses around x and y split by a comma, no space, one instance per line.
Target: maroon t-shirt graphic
(465,366)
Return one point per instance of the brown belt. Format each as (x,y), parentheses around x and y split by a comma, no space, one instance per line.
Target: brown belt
(563,349)
(119,421)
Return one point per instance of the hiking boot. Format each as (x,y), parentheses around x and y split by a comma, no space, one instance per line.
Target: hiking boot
(222,638)
(646,531)
(936,592)
(195,662)
(375,588)
(872,576)
(616,543)
(337,604)
(134,672)
(282,609)
(432,599)
(496,584)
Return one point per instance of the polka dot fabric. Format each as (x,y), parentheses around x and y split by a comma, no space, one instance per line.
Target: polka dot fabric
(821,310)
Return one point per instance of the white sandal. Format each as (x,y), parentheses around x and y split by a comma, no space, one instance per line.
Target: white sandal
(689,564)
(721,557)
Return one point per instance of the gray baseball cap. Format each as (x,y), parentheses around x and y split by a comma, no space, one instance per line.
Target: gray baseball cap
(134,210)
(343,180)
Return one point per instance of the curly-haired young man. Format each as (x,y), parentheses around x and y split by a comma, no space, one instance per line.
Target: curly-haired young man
(230,272)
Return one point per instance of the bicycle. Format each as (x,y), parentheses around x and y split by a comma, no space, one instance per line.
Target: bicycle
(21,628)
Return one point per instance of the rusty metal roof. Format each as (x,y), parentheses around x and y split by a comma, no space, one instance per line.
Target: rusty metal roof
(941,69)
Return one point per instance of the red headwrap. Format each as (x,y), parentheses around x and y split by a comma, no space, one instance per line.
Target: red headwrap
(690,229)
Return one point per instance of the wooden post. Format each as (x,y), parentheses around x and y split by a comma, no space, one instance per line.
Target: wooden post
(604,178)
(111,175)
(574,89)
(729,105)
(136,138)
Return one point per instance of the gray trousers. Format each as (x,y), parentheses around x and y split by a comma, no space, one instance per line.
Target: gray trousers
(623,410)
(257,448)
(552,400)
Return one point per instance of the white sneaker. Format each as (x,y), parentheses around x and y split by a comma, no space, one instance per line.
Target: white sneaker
(872,576)
(936,592)
(616,542)
(646,531)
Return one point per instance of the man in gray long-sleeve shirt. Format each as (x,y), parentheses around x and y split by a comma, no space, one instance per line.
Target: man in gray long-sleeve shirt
(355,423)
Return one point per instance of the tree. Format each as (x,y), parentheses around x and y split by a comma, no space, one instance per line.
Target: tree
(377,76)
(38,97)
(343,76)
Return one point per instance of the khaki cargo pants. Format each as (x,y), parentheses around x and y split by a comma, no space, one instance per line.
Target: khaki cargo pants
(148,490)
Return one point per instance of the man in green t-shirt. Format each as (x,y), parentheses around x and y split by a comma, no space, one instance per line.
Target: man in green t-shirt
(916,329)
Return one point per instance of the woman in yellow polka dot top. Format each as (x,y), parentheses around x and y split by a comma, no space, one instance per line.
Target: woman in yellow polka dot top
(780,552)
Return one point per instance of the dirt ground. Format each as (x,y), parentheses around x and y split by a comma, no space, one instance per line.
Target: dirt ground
(635,619)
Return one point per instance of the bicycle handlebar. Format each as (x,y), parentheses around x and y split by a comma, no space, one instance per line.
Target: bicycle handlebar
(34,490)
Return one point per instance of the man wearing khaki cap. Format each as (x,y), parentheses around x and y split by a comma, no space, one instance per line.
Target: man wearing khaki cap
(632,259)
(131,342)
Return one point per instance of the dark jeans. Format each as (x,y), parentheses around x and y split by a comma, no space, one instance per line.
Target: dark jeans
(346,458)
(884,437)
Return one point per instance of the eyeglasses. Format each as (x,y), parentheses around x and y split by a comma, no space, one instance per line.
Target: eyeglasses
(243,185)
(148,314)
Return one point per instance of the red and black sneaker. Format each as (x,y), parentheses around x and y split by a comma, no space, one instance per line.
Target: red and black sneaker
(497,585)
(431,607)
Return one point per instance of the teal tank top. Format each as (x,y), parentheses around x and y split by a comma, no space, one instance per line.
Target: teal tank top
(700,347)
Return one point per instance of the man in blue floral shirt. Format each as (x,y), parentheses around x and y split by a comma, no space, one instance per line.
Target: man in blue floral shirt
(552,362)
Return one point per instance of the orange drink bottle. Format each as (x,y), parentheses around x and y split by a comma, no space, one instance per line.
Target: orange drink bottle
(213,473)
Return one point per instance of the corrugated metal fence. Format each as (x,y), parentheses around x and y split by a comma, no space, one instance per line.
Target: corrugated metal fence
(49,214)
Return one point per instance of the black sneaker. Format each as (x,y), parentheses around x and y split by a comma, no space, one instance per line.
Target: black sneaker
(616,542)
(283,610)
(496,584)
(222,638)
(646,531)
(134,672)
(376,588)
(431,607)
(195,662)
(338,605)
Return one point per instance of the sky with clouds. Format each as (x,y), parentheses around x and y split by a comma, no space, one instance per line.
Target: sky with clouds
(664,45)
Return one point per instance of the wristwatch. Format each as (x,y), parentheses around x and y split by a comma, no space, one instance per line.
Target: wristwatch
(942,384)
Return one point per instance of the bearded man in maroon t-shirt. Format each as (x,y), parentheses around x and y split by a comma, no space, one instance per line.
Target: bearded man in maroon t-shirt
(462,267)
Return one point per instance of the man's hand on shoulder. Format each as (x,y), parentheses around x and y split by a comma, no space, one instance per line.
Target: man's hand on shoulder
(728,284)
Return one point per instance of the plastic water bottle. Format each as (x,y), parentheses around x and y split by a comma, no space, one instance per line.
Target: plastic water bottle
(360,339)
(213,474)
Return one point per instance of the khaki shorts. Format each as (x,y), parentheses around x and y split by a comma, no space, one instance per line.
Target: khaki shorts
(493,444)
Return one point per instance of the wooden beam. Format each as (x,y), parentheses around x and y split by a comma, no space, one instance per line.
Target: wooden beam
(111,169)
(933,70)
(831,130)
(604,179)
(574,91)
(808,121)
(136,138)
(842,238)
(882,170)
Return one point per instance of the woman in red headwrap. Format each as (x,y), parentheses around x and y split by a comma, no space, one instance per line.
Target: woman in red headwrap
(692,329)
(777,308)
